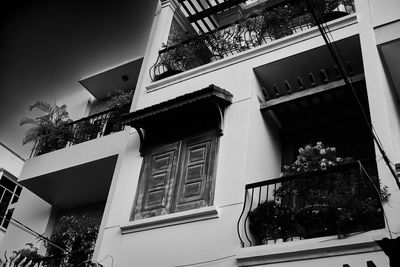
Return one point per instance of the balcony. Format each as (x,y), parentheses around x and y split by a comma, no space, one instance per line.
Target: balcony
(85,129)
(261,25)
(338,201)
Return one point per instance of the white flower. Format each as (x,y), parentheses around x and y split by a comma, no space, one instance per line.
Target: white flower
(338,159)
(322,151)
(323,166)
(301,149)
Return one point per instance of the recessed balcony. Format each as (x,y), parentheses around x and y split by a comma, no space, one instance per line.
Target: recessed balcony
(258,25)
(338,201)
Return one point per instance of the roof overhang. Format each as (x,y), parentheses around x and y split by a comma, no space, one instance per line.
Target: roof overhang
(104,83)
(75,186)
(190,112)
(211,93)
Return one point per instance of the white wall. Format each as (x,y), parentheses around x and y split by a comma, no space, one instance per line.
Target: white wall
(34,213)
(9,161)
(12,163)
(382,11)
(383,105)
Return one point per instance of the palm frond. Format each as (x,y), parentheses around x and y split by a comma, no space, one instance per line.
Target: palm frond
(27,120)
(41,105)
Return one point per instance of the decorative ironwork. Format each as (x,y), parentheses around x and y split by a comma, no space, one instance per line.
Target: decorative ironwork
(263,26)
(340,200)
(83,130)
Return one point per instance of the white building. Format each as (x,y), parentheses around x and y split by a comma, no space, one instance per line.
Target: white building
(212,123)
(10,168)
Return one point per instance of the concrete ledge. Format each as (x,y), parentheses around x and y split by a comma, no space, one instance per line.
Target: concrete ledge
(308,249)
(170,219)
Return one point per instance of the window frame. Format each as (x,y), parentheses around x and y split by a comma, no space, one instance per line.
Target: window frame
(15,195)
(175,192)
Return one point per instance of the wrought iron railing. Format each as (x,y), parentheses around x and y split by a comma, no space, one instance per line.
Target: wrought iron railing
(264,26)
(340,200)
(79,131)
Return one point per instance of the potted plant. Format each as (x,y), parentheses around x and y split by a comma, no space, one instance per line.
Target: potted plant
(76,234)
(271,221)
(182,52)
(337,203)
(49,131)
(27,256)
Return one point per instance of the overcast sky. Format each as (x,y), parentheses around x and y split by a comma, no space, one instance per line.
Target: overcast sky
(47,46)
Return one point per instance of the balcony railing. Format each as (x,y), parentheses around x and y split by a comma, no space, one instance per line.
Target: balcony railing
(79,131)
(263,26)
(341,200)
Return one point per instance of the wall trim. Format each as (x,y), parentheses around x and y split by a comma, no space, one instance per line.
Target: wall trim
(279,253)
(170,219)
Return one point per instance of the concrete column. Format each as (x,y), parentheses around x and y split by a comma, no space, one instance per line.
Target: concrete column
(384,114)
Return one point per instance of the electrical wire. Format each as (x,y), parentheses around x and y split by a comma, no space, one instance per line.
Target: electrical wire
(348,82)
(380,197)
(29,230)
(205,262)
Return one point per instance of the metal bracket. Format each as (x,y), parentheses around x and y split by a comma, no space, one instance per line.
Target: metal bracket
(141,133)
(221,119)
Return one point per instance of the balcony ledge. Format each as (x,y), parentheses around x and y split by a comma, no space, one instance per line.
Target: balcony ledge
(310,249)
(170,219)
(246,55)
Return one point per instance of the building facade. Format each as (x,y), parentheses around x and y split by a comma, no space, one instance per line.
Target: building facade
(10,168)
(228,94)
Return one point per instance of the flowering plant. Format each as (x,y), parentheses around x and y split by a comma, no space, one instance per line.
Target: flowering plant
(312,158)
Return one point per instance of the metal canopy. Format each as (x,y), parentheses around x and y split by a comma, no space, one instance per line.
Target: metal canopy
(200,13)
(192,112)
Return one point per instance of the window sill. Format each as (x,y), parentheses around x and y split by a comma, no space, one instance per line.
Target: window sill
(310,249)
(170,219)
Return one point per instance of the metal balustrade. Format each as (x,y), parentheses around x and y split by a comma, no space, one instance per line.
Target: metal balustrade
(348,191)
(263,26)
(79,131)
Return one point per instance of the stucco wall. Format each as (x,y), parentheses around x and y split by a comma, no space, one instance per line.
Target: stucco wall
(34,213)
(383,12)
(10,161)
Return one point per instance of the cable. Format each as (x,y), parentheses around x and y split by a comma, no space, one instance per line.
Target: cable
(34,233)
(380,197)
(205,262)
(347,81)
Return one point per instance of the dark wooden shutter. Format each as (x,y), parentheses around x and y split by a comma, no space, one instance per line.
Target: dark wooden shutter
(157,182)
(195,188)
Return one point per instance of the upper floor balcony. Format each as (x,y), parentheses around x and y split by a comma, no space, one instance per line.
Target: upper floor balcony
(224,29)
(82,130)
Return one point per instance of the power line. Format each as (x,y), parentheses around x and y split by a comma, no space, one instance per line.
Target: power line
(34,233)
(347,81)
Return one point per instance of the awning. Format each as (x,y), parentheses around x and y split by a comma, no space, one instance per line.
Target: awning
(184,114)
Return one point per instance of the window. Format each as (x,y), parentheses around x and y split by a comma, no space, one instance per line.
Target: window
(177,176)
(9,194)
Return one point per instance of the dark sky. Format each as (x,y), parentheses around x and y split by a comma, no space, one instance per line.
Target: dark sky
(47,46)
